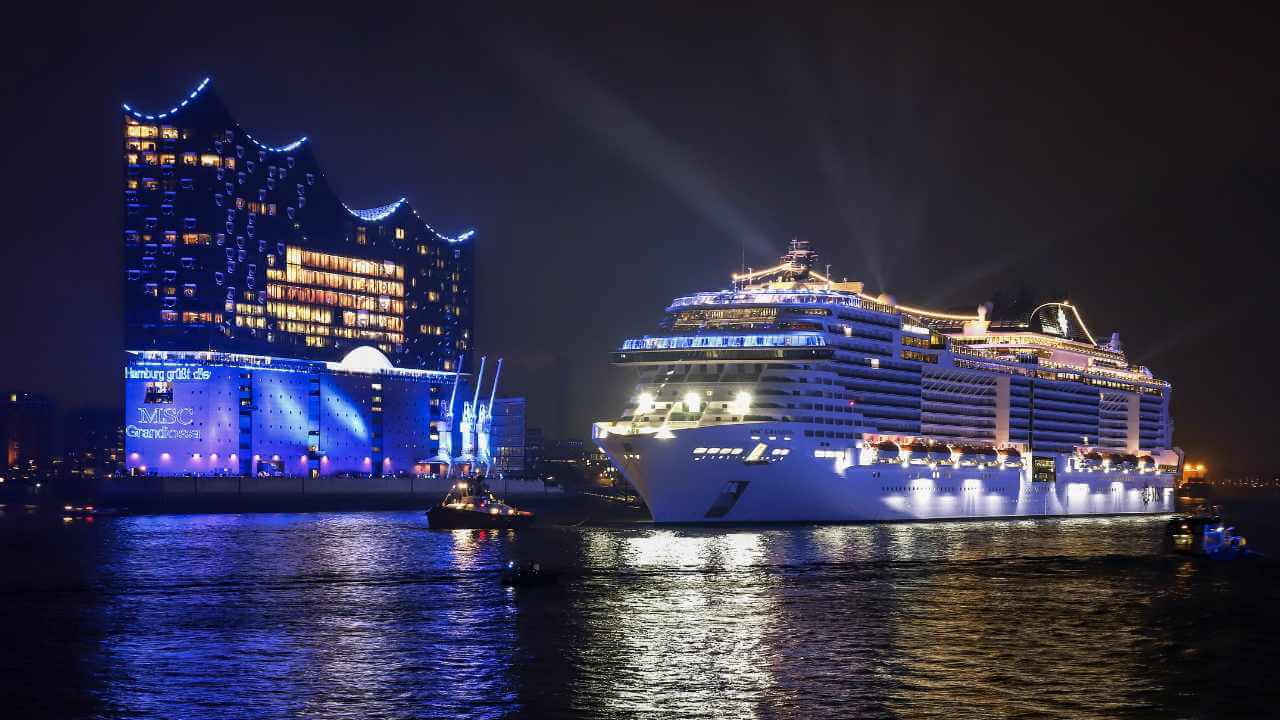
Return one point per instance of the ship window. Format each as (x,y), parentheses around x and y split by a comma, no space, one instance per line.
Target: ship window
(699,451)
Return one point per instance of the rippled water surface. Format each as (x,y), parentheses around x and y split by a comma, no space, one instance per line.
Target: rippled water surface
(374,615)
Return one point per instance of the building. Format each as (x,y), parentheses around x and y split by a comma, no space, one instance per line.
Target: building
(93,443)
(205,413)
(265,319)
(26,428)
(507,437)
(564,462)
(533,452)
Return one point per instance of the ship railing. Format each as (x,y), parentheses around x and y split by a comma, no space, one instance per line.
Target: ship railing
(780,297)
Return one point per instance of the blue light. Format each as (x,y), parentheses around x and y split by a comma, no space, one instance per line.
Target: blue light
(204,83)
(443,237)
(725,341)
(269,148)
(382,212)
(170,111)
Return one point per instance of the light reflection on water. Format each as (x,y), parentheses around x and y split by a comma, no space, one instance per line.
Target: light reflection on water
(373,615)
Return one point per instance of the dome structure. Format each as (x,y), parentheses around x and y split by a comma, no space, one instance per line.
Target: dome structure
(366,358)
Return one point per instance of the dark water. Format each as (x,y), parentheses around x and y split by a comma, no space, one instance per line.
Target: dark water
(373,615)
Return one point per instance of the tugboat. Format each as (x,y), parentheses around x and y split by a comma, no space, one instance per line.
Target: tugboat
(469,505)
(1203,534)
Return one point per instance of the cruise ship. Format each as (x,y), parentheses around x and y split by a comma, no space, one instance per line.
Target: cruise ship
(792,397)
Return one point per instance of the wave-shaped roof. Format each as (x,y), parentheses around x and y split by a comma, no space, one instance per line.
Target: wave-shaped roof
(158,116)
(374,214)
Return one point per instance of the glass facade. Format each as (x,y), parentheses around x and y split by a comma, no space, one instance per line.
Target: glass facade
(508,437)
(255,299)
(235,246)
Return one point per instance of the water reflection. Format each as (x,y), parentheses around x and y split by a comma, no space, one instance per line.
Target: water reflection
(366,615)
(688,632)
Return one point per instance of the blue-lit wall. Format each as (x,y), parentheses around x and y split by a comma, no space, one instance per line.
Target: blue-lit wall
(186,416)
(197,431)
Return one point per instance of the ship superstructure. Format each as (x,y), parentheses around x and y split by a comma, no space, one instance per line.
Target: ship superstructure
(795,397)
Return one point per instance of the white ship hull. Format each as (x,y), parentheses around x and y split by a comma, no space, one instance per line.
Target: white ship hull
(682,486)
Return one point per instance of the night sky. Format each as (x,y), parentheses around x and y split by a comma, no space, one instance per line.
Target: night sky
(611,159)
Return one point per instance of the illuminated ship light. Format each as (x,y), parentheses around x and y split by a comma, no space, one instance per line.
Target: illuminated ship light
(889,411)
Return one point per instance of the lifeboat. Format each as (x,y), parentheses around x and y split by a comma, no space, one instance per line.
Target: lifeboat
(918,452)
(1146,463)
(987,455)
(887,451)
(970,455)
(1090,461)
(1011,458)
(939,453)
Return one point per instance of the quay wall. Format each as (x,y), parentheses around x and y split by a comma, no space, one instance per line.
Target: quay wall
(293,494)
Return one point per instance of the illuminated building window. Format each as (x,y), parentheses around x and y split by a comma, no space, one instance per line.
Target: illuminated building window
(399,233)
(210,160)
(158,393)
(188,158)
(168,133)
(167,159)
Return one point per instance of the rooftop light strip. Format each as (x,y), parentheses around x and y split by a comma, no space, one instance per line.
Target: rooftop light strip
(460,238)
(697,342)
(160,116)
(269,148)
(375,214)
(383,212)
(758,273)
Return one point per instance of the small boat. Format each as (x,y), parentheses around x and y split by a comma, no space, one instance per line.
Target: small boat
(469,505)
(84,511)
(1204,534)
(515,575)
